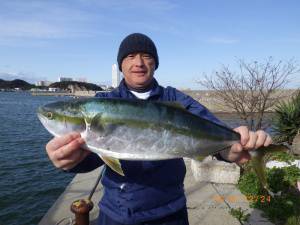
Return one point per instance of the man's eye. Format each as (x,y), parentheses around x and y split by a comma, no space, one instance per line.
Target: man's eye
(147,56)
(130,56)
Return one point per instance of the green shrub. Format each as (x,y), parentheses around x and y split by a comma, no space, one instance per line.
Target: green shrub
(286,121)
(293,220)
(282,157)
(279,209)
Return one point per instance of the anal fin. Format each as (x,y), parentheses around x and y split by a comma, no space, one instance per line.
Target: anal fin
(114,164)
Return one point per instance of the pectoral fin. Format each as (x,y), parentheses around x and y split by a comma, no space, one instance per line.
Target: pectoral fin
(114,164)
(100,124)
(199,158)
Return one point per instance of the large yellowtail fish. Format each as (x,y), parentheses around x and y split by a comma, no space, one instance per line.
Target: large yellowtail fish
(140,130)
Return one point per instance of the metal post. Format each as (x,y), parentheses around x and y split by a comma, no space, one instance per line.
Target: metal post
(82,209)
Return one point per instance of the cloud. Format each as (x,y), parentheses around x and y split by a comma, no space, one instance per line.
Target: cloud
(43,30)
(45,20)
(294,40)
(29,29)
(54,19)
(221,40)
(141,5)
(23,42)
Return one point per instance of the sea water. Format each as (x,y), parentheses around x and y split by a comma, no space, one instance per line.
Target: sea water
(29,183)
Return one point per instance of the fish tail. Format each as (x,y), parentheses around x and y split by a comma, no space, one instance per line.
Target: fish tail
(259,164)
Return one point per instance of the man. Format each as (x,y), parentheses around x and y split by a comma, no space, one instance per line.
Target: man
(151,192)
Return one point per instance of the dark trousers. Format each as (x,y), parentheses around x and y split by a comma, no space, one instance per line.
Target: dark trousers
(178,218)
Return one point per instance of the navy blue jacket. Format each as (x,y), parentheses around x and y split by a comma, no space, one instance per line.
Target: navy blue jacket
(149,189)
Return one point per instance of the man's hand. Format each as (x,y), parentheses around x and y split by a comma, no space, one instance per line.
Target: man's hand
(65,152)
(250,140)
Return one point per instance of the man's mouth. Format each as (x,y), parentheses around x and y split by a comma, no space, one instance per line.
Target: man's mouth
(139,72)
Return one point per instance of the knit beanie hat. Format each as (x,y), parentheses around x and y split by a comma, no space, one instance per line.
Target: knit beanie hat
(137,42)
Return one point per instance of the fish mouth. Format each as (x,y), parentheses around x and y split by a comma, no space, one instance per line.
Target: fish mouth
(58,125)
(41,113)
(46,122)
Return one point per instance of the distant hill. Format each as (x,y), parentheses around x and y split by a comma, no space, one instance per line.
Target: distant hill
(76,86)
(64,85)
(17,83)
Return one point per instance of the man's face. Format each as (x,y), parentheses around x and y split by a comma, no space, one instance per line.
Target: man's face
(138,69)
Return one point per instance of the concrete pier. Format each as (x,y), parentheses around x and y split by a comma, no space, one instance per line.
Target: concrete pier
(207,203)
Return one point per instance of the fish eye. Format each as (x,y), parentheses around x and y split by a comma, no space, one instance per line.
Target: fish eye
(49,115)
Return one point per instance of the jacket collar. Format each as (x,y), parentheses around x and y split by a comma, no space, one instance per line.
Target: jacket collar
(156,91)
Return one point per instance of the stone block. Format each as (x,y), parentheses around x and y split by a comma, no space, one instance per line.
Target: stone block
(215,171)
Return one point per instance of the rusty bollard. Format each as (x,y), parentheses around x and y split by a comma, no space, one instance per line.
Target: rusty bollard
(82,208)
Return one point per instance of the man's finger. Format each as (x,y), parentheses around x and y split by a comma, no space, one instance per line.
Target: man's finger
(58,142)
(71,162)
(244,132)
(69,149)
(261,138)
(244,157)
(252,141)
(236,148)
(268,141)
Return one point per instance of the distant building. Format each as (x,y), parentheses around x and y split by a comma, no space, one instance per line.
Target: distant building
(37,90)
(115,76)
(43,83)
(54,89)
(61,79)
(82,79)
(104,86)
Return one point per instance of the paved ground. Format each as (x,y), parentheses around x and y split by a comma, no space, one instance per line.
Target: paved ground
(208,204)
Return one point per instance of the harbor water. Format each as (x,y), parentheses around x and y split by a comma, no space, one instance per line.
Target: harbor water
(29,183)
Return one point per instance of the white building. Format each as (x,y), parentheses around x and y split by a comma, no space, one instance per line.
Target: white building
(115,76)
(43,83)
(81,79)
(61,79)
(53,89)
(104,86)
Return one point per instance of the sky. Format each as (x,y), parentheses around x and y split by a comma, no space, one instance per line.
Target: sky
(46,39)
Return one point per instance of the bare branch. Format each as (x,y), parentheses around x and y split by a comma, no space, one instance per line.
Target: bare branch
(254,90)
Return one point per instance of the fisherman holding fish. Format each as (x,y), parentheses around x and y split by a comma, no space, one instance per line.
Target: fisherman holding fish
(149,192)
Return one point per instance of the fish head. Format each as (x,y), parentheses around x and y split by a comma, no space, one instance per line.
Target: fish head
(60,118)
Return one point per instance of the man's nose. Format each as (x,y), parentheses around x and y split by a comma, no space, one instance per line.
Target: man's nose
(138,60)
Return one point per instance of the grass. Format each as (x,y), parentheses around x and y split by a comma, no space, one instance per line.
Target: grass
(283,209)
(240,214)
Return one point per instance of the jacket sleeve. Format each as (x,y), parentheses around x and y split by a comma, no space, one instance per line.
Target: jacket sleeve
(198,109)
